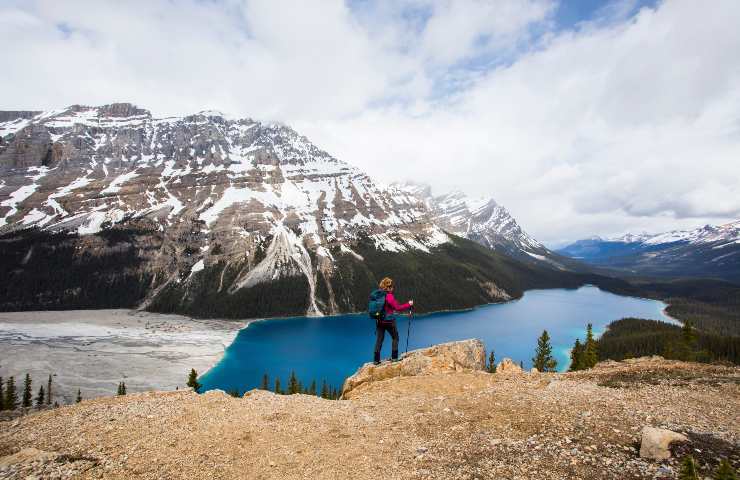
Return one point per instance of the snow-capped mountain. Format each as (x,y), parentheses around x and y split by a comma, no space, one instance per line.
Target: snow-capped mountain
(210,213)
(711,251)
(481,220)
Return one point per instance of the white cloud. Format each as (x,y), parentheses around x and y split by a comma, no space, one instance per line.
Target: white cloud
(630,126)
(622,124)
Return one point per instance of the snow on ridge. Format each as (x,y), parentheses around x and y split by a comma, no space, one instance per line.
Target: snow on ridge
(115,185)
(477,205)
(329,196)
(538,257)
(199,265)
(21,194)
(706,234)
(13,126)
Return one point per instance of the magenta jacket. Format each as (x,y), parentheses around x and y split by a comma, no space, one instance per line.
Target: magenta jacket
(392,306)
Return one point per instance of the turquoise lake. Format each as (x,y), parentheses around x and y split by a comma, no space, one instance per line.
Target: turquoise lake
(332,348)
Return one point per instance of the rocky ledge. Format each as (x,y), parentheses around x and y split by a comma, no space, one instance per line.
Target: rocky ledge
(450,420)
(461,356)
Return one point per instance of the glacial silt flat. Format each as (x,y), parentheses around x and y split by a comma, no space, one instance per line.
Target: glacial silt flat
(93,350)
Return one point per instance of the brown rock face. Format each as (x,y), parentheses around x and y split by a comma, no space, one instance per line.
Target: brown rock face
(464,355)
(11,115)
(508,367)
(31,147)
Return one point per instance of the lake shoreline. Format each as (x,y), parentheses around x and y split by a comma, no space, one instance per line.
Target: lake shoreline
(95,349)
(333,346)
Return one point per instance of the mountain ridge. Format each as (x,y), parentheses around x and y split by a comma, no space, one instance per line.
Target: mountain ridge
(184,211)
(707,251)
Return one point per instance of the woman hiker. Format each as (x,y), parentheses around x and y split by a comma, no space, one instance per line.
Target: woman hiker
(388,322)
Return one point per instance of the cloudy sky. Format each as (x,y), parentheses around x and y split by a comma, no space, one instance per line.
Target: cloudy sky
(581,117)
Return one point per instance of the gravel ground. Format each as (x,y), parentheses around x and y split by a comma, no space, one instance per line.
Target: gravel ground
(447,426)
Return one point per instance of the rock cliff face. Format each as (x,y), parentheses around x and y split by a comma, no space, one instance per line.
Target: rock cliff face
(211,216)
(450,423)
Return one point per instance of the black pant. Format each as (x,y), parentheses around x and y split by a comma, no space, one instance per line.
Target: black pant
(380,329)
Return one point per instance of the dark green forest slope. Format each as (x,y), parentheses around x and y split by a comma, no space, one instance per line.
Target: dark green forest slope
(115,269)
(50,271)
(456,275)
(635,337)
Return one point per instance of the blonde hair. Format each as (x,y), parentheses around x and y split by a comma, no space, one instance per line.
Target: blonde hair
(386,284)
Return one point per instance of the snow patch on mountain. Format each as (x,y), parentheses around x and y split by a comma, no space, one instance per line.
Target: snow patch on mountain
(22,193)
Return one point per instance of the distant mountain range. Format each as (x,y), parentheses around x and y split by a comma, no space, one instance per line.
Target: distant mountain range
(708,251)
(213,216)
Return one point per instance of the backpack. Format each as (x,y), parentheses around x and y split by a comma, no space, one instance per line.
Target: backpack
(376,305)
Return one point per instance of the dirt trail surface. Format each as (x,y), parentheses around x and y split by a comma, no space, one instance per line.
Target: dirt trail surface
(464,425)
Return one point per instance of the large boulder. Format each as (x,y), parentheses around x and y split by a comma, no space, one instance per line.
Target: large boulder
(656,442)
(508,367)
(464,355)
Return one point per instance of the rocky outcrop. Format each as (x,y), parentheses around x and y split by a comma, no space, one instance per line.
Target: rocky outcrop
(655,442)
(464,355)
(508,367)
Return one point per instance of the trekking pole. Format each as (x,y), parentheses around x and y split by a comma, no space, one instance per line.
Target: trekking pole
(408,329)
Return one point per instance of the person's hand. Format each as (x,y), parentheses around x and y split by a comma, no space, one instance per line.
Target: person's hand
(411,302)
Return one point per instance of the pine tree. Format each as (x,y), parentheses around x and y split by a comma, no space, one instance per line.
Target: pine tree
(687,348)
(543,359)
(193,380)
(265,382)
(27,394)
(79,396)
(293,384)
(2,394)
(121,388)
(725,471)
(590,349)
(491,362)
(576,357)
(11,395)
(40,398)
(324,390)
(689,470)
(278,390)
(312,388)
(688,334)
(48,391)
